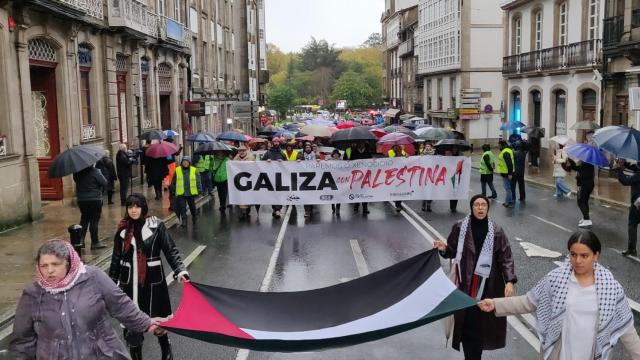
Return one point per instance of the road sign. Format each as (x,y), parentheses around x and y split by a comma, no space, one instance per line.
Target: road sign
(469,111)
(488,108)
(469,116)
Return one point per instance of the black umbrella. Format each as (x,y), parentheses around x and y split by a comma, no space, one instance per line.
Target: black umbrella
(351,135)
(201,137)
(461,145)
(435,134)
(535,132)
(211,147)
(152,135)
(269,130)
(75,159)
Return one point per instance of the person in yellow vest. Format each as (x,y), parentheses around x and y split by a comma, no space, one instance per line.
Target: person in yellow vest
(397,150)
(185,186)
(487,166)
(203,164)
(289,153)
(506,168)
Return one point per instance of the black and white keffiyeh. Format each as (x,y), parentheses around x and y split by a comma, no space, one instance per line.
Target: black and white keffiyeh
(485,261)
(550,297)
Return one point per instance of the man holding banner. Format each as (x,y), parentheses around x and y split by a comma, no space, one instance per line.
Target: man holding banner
(273,154)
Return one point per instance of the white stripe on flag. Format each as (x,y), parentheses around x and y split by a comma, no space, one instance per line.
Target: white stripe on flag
(412,308)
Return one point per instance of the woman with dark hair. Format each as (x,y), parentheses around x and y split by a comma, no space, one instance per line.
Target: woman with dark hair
(581,310)
(62,315)
(484,266)
(143,277)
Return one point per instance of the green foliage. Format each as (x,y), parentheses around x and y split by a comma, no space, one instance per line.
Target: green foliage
(374,41)
(280,98)
(354,88)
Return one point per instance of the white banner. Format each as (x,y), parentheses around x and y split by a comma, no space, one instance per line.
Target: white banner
(327,182)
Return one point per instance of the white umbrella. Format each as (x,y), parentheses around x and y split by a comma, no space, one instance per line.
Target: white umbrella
(562,140)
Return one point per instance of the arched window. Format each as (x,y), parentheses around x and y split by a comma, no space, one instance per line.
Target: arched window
(589,102)
(85,63)
(144,76)
(536,104)
(516,105)
(560,112)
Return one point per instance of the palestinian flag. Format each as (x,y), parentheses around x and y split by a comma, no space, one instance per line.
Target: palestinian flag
(404,296)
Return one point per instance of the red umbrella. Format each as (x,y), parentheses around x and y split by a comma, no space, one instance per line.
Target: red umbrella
(345,125)
(248,138)
(163,149)
(378,132)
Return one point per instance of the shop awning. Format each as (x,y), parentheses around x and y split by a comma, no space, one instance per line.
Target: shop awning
(391,113)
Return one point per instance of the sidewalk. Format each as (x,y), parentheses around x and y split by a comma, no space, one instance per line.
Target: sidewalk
(18,246)
(607,190)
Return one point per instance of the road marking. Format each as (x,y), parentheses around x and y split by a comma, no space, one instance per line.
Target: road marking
(634,258)
(536,250)
(526,334)
(361,263)
(425,234)
(423,222)
(243,354)
(552,223)
(558,263)
(518,239)
(187,261)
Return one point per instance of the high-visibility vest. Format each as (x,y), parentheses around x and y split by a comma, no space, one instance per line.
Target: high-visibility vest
(204,163)
(502,164)
(193,184)
(293,157)
(348,152)
(484,170)
(392,153)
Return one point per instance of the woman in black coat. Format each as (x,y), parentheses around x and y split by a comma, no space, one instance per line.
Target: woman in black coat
(105,165)
(144,279)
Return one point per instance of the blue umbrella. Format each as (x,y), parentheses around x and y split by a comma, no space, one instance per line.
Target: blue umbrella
(588,153)
(201,137)
(512,125)
(170,133)
(232,136)
(621,141)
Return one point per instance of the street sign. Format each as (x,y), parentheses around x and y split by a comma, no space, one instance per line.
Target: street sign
(469,111)
(469,116)
(488,108)
(452,113)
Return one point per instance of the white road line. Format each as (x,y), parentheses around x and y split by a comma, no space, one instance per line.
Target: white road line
(634,258)
(425,234)
(243,354)
(552,223)
(187,261)
(361,263)
(533,250)
(526,334)
(423,222)
(530,320)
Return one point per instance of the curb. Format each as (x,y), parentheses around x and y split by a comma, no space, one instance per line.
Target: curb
(101,261)
(601,199)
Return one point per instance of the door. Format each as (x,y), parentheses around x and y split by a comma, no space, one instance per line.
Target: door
(165,112)
(45,113)
(122,106)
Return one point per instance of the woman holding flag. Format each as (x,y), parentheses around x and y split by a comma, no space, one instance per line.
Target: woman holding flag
(483,266)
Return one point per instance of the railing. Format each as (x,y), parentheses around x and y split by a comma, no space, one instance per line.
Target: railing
(613,30)
(92,8)
(133,15)
(88,132)
(171,30)
(580,54)
(406,48)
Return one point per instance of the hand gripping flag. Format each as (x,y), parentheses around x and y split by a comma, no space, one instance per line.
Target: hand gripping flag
(404,296)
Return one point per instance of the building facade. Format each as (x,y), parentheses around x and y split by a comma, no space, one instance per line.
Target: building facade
(101,72)
(621,53)
(410,89)
(458,45)
(552,58)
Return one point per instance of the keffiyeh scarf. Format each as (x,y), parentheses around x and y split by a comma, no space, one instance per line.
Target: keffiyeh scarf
(485,261)
(76,268)
(550,297)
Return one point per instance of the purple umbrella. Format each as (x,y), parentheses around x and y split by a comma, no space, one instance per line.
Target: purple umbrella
(396,138)
(161,150)
(587,153)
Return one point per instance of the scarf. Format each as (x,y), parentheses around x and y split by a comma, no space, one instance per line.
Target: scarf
(485,260)
(550,296)
(76,267)
(309,156)
(134,233)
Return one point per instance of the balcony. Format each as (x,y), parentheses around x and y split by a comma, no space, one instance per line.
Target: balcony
(613,30)
(174,32)
(406,48)
(582,54)
(73,8)
(133,15)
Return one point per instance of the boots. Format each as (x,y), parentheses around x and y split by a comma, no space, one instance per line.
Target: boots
(165,347)
(136,352)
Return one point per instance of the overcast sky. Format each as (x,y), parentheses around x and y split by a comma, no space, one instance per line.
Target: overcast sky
(345,23)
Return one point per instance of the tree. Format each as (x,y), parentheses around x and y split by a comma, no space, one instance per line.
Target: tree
(280,98)
(277,61)
(319,54)
(352,87)
(373,41)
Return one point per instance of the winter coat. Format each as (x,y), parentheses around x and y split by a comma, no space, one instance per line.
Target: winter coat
(157,169)
(494,330)
(631,180)
(153,295)
(123,165)
(273,154)
(90,184)
(220,172)
(105,165)
(559,158)
(520,156)
(54,326)
(357,155)
(585,173)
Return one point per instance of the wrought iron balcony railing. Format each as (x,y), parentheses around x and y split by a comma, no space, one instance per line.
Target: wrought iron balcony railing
(173,31)
(92,8)
(581,54)
(613,30)
(133,15)
(406,48)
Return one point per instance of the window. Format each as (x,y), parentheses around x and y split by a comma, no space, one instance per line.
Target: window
(517,36)
(439,93)
(161,7)
(515,106)
(562,25)
(536,99)
(177,5)
(593,20)
(452,90)
(144,69)
(561,112)
(85,63)
(193,20)
(428,94)
(85,97)
(538,30)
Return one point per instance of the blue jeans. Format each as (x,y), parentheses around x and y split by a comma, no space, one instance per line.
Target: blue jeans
(561,187)
(507,188)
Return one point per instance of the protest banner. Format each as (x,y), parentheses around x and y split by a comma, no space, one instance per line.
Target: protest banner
(327,182)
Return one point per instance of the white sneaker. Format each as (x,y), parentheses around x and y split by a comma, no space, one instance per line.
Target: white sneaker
(584,223)
(568,194)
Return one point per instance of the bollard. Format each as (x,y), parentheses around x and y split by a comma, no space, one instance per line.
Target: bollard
(75,234)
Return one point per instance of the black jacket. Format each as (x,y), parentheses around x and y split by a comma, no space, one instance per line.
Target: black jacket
(105,165)
(123,165)
(153,296)
(90,184)
(631,180)
(357,155)
(520,156)
(273,154)
(157,169)
(585,173)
